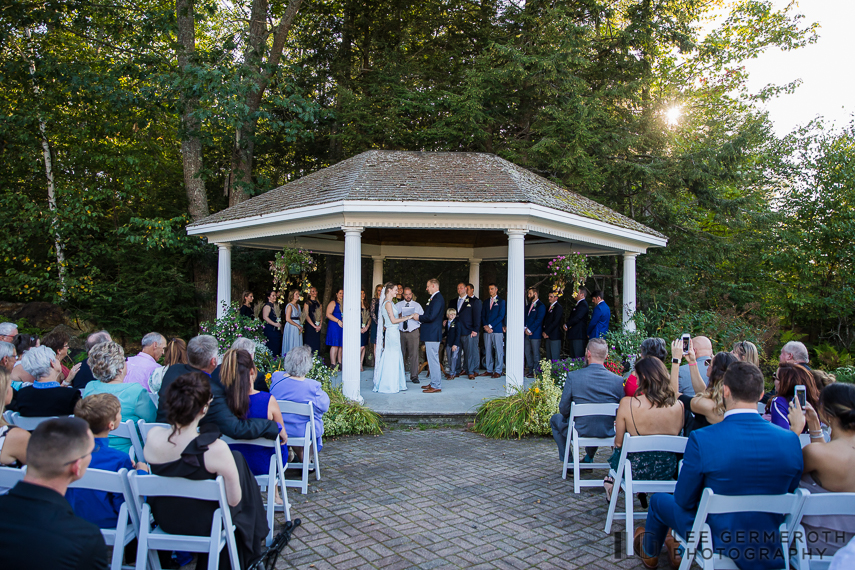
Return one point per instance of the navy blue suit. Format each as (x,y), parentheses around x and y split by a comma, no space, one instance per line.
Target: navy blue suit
(431,321)
(742,455)
(494,342)
(494,317)
(534,323)
(599,325)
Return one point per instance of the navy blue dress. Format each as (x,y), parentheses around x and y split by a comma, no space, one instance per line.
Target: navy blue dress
(258,458)
(274,337)
(311,337)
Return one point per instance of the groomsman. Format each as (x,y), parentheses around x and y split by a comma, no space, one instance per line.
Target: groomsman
(476,307)
(599,325)
(431,334)
(534,313)
(410,333)
(577,325)
(553,332)
(466,323)
(493,317)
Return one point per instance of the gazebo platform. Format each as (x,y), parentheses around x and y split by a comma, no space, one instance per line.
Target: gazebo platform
(456,404)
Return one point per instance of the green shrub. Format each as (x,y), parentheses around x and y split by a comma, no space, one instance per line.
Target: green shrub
(345,417)
(845,374)
(523,413)
(231,326)
(830,358)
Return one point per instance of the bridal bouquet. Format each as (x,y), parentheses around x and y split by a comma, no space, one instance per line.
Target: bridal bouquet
(570,272)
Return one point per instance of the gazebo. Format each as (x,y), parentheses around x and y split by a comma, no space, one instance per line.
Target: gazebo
(454,206)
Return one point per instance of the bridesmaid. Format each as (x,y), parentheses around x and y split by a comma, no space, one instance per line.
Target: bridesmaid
(314,319)
(372,333)
(292,335)
(365,316)
(272,326)
(246,305)
(334,331)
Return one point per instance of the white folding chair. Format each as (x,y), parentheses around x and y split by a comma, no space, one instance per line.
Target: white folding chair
(126,530)
(275,476)
(7,415)
(624,480)
(699,548)
(153,539)
(577,442)
(128,430)
(814,504)
(307,441)
(9,476)
(145,427)
(29,424)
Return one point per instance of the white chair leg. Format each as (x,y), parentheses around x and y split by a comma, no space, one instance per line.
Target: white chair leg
(304,489)
(142,539)
(577,486)
(317,463)
(630,518)
(612,503)
(216,541)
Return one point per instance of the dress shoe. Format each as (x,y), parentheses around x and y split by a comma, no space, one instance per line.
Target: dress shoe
(485,374)
(637,540)
(495,375)
(415,381)
(432,391)
(673,548)
(529,375)
(472,377)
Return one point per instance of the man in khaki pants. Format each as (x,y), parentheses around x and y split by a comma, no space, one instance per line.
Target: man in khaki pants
(410,333)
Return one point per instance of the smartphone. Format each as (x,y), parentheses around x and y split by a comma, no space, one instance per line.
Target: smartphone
(800,394)
(686,339)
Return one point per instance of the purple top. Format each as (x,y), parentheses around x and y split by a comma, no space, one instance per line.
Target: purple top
(283,387)
(779,409)
(140,368)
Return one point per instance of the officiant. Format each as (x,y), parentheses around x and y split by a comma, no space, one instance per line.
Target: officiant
(410,333)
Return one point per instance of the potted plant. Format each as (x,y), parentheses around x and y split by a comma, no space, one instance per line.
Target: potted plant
(287,265)
(570,271)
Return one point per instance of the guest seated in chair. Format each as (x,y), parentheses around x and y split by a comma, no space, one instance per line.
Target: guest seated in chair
(706,407)
(592,384)
(46,397)
(653,410)
(787,377)
(829,467)
(107,362)
(13,440)
(293,386)
(741,455)
(38,529)
(188,450)
(103,412)
(654,347)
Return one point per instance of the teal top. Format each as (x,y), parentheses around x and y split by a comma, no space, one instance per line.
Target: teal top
(136,405)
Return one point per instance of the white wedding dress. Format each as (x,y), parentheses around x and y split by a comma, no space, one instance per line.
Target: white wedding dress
(389,374)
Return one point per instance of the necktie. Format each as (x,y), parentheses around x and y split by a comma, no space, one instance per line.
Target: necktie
(406,322)
(492,300)
(531,308)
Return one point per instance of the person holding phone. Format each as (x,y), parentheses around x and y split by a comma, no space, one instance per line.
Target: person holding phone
(787,378)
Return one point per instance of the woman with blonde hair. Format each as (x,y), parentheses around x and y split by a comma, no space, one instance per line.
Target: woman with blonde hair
(746,351)
(175,353)
(292,332)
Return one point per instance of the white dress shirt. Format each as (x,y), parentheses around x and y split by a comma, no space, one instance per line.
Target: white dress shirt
(412,324)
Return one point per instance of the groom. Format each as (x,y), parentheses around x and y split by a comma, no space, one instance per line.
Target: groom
(431,327)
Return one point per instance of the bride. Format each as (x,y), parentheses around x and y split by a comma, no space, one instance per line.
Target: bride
(389,375)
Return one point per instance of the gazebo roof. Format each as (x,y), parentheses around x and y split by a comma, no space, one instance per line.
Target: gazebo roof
(401,176)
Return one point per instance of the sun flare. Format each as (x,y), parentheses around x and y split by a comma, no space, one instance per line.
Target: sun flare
(672,115)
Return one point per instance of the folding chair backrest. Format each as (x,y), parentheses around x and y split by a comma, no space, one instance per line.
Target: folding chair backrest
(261,442)
(829,504)
(101,480)
(154,486)
(29,424)
(788,504)
(639,443)
(128,430)
(9,476)
(296,408)
(586,410)
(147,427)
(7,415)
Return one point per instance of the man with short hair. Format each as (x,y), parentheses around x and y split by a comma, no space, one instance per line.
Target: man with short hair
(592,384)
(704,353)
(431,333)
(144,363)
(7,355)
(552,327)
(493,317)
(8,331)
(742,455)
(599,325)
(38,528)
(577,325)
(84,375)
(477,307)
(410,333)
(467,324)
(534,313)
(795,352)
(202,357)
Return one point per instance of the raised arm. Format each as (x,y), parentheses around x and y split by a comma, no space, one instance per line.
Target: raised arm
(676,354)
(392,317)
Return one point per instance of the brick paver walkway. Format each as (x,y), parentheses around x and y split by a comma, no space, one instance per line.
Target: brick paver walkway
(447,498)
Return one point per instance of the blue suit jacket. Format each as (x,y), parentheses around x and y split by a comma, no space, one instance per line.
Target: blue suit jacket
(494,317)
(599,325)
(467,320)
(431,321)
(742,455)
(534,320)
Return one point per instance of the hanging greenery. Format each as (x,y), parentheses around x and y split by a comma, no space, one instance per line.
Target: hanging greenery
(570,271)
(289,270)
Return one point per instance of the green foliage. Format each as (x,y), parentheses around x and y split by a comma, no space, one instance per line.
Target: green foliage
(526,412)
(345,417)
(845,374)
(291,264)
(570,270)
(830,358)
(232,326)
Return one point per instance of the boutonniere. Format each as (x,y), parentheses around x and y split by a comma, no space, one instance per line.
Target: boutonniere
(428,303)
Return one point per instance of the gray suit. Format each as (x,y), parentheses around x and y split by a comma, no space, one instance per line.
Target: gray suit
(590,385)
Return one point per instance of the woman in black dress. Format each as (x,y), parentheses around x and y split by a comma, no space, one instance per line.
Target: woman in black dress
(314,319)
(272,326)
(179,451)
(246,305)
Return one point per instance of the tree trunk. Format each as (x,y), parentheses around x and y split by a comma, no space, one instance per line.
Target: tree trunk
(191,126)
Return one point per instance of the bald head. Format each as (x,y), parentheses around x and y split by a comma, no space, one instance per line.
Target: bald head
(702,346)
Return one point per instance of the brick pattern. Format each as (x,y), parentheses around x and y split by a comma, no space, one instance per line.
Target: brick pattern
(424,177)
(447,498)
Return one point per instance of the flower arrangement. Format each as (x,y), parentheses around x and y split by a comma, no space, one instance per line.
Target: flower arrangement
(231,326)
(290,266)
(570,271)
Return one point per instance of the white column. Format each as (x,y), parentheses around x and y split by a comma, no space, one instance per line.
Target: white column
(514,351)
(475,275)
(377,277)
(224,278)
(351,312)
(628,290)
